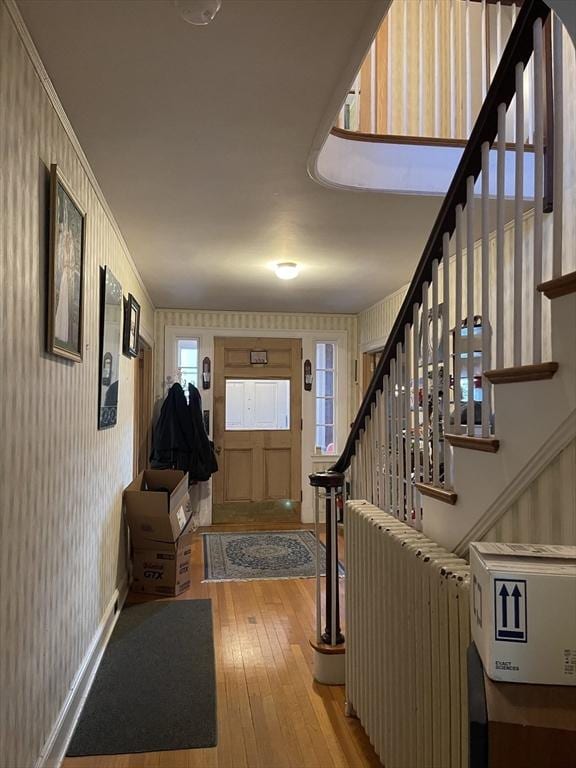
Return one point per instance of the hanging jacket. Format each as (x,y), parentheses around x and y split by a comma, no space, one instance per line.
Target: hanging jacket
(203,462)
(179,440)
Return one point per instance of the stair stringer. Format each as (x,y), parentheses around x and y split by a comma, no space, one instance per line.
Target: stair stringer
(528,416)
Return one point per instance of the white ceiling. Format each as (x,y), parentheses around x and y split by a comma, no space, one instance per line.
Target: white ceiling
(200,139)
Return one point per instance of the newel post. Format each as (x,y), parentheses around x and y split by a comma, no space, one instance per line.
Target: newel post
(328,644)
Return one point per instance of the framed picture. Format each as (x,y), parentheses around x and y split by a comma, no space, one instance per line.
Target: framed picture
(110,339)
(258,357)
(131,326)
(65,270)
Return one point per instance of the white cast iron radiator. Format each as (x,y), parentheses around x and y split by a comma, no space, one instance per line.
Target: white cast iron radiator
(407,631)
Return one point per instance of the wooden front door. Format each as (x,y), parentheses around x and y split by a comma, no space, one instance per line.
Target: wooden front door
(257,429)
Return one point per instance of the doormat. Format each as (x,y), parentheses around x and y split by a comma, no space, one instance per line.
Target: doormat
(155,688)
(262,555)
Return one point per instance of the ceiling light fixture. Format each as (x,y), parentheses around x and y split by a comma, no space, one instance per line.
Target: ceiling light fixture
(287,270)
(198,12)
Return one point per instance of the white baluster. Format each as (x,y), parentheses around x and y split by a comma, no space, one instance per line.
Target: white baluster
(484,50)
(393,437)
(375,459)
(405,79)
(458,324)
(538,189)
(361,472)
(500,217)
(470,345)
(407,421)
(498,32)
(373,88)
(435,379)
(468,69)
(386,443)
(390,127)
(400,411)
(452,74)
(446,354)
(420,70)
(486,329)
(415,396)
(558,148)
(518,215)
(379,458)
(425,361)
(437,83)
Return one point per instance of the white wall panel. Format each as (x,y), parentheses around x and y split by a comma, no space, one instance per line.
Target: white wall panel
(61,535)
(545,513)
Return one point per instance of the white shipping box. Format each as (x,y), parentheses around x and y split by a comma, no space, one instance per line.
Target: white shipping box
(523,611)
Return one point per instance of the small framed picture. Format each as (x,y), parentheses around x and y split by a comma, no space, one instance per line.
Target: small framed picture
(131,326)
(65,270)
(258,357)
(110,340)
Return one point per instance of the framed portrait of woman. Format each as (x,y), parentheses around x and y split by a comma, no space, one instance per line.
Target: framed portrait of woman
(65,270)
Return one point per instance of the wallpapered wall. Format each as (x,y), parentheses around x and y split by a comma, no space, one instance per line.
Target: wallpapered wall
(61,533)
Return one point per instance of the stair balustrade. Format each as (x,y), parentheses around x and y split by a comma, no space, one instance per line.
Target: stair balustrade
(473,315)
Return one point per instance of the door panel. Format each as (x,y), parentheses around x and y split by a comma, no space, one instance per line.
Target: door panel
(238,474)
(260,451)
(277,473)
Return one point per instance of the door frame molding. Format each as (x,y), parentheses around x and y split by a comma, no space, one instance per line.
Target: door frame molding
(310,462)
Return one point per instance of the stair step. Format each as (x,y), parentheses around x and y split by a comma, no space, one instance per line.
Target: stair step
(519,373)
(486,444)
(560,286)
(440,494)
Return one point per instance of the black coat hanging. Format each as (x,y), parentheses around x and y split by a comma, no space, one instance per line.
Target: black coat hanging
(180,440)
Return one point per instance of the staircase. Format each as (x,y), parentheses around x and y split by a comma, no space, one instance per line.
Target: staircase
(473,395)
(476,387)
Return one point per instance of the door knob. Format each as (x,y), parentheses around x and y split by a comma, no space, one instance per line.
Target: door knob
(218,450)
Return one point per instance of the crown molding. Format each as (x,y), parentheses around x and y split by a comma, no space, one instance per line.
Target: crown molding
(34,56)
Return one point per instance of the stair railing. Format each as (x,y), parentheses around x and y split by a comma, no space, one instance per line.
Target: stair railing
(472,314)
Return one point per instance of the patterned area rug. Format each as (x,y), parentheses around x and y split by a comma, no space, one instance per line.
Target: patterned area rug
(262,555)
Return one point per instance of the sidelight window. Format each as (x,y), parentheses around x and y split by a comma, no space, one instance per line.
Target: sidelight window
(325,396)
(188,362)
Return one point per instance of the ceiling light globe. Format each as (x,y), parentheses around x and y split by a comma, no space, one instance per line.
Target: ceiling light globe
(198,12)
(287,270)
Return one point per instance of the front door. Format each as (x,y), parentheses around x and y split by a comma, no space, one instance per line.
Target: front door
(257,429)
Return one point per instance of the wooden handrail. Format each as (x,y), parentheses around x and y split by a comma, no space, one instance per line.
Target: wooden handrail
(416,141)
(519,48)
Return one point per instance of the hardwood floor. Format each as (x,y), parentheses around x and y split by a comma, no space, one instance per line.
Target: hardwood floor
(271,714)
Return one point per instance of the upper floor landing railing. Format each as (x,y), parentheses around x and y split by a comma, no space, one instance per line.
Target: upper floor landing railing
(473,311)
(429,69)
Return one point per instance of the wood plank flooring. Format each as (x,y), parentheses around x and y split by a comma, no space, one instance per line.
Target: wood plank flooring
(271,714)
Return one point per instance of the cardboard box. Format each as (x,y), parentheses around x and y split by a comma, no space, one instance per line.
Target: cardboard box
(154,515)
(164,569)
(523,611)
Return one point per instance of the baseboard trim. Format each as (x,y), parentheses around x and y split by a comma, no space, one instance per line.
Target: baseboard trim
(541,459)
(56,745)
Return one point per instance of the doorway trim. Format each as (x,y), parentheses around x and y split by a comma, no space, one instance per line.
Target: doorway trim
(310,462)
